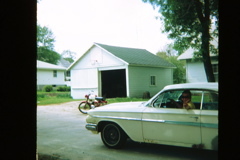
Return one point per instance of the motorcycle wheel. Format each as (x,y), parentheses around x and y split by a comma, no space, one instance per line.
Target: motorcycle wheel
(84,107)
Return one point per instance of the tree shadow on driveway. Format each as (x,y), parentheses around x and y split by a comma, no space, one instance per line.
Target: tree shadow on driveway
(174,151)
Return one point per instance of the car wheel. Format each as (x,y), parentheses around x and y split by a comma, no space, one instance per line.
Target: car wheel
(113,136)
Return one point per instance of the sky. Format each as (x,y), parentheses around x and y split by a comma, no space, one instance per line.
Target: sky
(77,24)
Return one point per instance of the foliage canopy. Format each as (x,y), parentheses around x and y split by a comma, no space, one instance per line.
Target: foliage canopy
(179,73)
(45,45)
(68,55)
(191,23)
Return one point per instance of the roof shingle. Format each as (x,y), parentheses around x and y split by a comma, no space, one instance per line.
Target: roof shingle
(135,56)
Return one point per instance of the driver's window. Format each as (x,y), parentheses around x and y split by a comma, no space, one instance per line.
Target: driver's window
(174,99)
(164,100)
(196,98)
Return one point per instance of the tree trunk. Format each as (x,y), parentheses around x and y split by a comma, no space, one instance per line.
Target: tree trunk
(204,17)
(206,56)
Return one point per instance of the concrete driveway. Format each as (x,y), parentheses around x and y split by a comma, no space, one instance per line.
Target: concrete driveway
(61,135)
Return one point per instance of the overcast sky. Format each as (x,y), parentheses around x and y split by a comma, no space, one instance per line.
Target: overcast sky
(77,24)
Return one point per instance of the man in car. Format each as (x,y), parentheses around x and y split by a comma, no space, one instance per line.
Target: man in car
(186,100)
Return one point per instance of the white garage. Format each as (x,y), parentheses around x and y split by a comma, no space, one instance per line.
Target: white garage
(113,71)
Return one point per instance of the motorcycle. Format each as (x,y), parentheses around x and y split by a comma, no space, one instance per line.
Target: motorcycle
(91,102)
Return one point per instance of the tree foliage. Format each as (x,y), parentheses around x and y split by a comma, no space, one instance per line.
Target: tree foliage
(179,73)
(45,45)
(190,23)
(45,37)
(69,55)
(47,55)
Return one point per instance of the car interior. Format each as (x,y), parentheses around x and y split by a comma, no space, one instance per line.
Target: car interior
(210,99)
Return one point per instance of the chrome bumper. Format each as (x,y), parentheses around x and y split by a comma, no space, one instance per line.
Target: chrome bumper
(91,127)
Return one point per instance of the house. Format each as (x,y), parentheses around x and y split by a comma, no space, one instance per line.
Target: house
(195,71)
(49,74)
(113,71)
(64,63)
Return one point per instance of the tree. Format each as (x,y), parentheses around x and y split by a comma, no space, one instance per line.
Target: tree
(45,45)
(179,73)
(189,23)
(45,37)
(68,55)
(46,55)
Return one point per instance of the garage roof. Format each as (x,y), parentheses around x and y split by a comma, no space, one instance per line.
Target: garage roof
(135,56)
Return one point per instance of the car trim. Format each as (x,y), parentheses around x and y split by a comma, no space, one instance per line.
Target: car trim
(198,124)
(124,118)
(174,122)
(209,125)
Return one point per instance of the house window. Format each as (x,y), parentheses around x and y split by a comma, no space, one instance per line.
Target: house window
(54,73)
(68,74)
(215,71)
(152,80)
(215,68)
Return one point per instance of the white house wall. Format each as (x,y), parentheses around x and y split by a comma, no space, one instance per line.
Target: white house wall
(85,73)
(139,80)
(45,77)
(195,72)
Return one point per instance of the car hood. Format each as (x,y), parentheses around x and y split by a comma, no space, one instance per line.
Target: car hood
(119,107)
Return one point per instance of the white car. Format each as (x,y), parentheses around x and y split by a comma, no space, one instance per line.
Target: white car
(159,120)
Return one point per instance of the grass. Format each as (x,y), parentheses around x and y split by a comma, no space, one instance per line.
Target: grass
(115,100)
(54,97)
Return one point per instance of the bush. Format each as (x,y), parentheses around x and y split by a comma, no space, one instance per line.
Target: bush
(63,88)
(48,88)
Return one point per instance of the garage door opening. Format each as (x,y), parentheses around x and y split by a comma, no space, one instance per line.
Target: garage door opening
(114,83)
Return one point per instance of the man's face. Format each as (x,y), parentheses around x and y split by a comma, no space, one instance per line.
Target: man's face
(185,97)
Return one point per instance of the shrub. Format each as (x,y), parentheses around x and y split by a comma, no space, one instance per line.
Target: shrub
(63,88)
(60,88)
(48,88)
(68,88)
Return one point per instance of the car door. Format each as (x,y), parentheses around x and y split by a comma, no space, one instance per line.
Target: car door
(209,120)
(166,124)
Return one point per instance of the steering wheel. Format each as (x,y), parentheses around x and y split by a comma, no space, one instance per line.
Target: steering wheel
(172,103)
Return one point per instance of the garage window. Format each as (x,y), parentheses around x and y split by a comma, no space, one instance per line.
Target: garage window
(152,80)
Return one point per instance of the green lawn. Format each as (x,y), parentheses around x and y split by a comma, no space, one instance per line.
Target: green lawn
(45,98)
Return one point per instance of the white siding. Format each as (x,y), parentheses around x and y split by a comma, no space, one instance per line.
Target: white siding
(83,81)
(45,77)
(79,93)
(85,78)
(85,73)
(139,80)
(97,58)
(195,72)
